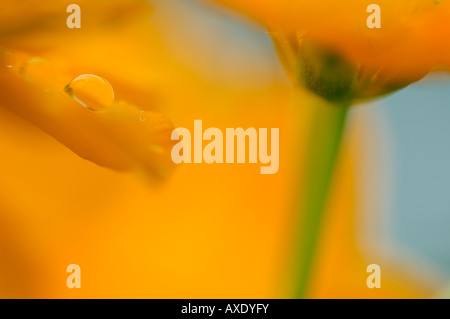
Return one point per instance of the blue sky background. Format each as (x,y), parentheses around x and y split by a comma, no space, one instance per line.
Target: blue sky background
(418,120)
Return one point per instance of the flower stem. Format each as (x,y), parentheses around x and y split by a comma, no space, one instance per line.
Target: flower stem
(327,129)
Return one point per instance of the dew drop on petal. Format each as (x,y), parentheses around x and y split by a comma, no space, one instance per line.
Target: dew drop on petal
(92,91)
(39,71)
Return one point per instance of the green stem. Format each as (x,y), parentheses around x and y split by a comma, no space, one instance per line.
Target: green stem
(325,139)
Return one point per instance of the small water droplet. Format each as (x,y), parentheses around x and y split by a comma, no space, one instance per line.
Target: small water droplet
(143,115)
(39,71)
(91,91)
(8,59)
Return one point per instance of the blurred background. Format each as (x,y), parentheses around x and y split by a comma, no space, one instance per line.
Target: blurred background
(212,231)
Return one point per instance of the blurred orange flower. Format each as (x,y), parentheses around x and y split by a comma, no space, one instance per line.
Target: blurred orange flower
(413,40)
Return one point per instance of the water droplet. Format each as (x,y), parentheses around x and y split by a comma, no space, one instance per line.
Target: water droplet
(39,71)
(143,115)
(7,59)
(91,91)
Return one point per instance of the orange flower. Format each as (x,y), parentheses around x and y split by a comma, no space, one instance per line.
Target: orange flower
(56,209)
(413,39)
